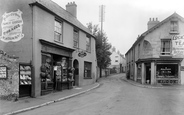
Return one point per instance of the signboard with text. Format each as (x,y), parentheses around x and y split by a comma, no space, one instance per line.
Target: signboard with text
(3,72)
(12,26)
(178,45)
(82,54)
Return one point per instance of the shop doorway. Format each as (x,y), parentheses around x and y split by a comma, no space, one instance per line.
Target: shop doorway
(148,74)
(76,73)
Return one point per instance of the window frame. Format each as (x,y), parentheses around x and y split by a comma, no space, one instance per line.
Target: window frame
(165,53)
(88,45)
(174,26)
(88,69)
(75,40)
(56,31)
(139,45)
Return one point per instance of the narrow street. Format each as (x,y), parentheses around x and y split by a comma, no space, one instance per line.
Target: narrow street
(117,97)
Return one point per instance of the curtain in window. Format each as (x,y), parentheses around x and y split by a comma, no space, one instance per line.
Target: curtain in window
(166,47)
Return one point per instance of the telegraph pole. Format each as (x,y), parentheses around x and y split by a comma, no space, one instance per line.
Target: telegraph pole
(102,16)
(101,19)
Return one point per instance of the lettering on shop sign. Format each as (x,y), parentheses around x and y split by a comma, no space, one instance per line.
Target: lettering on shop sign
(168,81)
(3,72)
(82,54)
(12,27)
(178,45)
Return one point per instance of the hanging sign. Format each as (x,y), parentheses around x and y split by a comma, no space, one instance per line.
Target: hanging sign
(82,54)
(12,27)
(3,72)
(178,45)
(182,68)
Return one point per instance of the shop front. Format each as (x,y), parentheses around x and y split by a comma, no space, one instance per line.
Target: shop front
(159,71)
(168,73)
(56,69)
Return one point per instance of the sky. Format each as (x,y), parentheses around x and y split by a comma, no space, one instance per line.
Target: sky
(124,19)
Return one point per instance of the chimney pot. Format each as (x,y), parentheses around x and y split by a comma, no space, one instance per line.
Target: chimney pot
(71,7)
(152,23)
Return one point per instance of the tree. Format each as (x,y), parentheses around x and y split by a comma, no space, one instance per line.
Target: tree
(102,47)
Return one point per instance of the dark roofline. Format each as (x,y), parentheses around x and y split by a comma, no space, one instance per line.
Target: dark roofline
(153,28)
(50,11)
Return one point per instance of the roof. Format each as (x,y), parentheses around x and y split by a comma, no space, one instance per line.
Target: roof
(54,8)
(141,37)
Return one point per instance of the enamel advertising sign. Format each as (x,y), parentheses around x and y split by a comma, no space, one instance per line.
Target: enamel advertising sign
(12,27)
(178,45)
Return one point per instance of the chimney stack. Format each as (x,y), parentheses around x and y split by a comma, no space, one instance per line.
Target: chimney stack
(152,22)
(72,8)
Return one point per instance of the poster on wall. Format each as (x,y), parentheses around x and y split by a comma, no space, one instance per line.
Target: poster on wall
(12,26)
(3,72)
(178,45)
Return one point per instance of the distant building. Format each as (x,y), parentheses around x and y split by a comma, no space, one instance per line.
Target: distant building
(157,55)
(118,62)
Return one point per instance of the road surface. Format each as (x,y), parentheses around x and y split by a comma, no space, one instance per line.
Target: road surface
(116,97)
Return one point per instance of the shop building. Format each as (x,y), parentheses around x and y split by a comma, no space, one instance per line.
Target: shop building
(157,55)
(53,49)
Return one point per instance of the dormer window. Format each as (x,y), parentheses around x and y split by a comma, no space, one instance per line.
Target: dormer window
(174,26)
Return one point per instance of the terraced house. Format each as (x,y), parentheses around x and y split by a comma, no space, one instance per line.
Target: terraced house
(55,50)
(157,55)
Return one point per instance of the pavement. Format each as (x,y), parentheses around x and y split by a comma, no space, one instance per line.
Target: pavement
(28,103)
(153,86)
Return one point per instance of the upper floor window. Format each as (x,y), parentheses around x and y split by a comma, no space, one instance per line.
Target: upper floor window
(174,26)
(166,47)
(88,43)
(75,38)
(58,32)
(138,50)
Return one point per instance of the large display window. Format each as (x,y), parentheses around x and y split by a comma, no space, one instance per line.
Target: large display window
(167,70)
(167,74)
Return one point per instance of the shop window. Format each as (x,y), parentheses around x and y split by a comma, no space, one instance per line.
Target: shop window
(75,38)
(165,47)
(58,32)
(174,27)
(87,69)
(167,70)
(88,43)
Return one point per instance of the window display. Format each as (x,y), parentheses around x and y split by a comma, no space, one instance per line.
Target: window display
(25,75)
(25,79)
(167,70)
(64,65)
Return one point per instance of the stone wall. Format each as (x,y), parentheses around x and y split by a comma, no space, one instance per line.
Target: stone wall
(9,87)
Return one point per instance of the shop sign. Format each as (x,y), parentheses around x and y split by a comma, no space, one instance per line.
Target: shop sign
(168,81)
(12,27)
(182,68)
(3,72)
(178,45)
(82,54)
